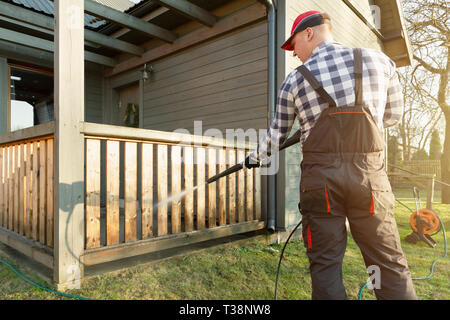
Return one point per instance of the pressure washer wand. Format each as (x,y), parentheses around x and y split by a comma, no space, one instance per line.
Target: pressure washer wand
(227,172)
(289,142)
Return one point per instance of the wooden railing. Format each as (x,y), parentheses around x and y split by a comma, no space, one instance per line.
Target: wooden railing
(27,183)
(161,165)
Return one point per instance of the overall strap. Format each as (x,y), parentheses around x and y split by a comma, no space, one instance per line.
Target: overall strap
(316,85)
(358,67)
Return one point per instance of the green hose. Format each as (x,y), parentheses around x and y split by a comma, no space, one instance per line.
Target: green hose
(432,265)
(21,275)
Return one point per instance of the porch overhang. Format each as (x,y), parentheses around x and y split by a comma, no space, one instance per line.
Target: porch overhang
(123,33)
(395,34)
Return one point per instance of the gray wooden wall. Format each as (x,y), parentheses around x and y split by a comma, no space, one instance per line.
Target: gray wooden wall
(222,82)
(94,94)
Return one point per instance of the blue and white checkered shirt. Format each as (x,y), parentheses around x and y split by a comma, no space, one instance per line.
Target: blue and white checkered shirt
(333,66)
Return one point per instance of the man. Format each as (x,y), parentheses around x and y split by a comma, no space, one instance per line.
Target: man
(343,98)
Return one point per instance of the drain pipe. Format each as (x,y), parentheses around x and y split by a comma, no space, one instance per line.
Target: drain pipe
(271,181)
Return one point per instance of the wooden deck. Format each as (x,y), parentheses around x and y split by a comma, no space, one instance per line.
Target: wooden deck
(129,175)
(27,184)
(141,169)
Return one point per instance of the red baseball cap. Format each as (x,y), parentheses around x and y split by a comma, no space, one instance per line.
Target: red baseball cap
(305,20)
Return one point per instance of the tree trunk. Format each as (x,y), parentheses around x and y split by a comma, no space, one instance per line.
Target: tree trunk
(445,162)
(404,142)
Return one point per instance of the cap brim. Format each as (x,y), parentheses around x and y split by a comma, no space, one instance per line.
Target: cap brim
(310,21)
(287,44)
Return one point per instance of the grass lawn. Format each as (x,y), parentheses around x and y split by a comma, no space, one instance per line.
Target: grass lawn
(247,271)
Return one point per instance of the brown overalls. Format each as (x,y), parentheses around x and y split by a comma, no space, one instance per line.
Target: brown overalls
(343,175)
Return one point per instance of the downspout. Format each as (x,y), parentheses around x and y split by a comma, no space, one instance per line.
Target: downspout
(271,6)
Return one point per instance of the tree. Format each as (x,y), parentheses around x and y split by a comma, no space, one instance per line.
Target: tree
(420,154)
(394,154)
(422,114)
(428,28)
(435,146)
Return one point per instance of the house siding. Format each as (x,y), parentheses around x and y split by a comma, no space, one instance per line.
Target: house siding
(94,94)
(222,83)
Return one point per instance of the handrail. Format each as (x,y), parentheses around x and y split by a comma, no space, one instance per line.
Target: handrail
(45,129)
(137,134)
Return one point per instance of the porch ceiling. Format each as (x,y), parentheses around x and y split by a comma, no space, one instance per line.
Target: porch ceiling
(108,30)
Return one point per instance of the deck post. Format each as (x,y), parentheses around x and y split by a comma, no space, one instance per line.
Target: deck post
(69,143)
(4,92)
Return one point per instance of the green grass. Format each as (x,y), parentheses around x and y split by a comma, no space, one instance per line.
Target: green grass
(247,270)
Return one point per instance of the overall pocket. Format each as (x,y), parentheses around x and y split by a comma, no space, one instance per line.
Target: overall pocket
(382,199)
(314,196)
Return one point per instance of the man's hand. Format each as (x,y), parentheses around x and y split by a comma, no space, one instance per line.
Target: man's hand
(251,163)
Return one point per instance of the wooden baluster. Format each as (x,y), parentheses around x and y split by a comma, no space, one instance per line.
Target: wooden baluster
(42,189)
(16,188)
(22,189)
(50,191)
(6,188)
(201,190)
(162,189)
(189,185)
(29,209)
(222,188)
(241,187)
(176,188)
(147,190)
(112,192)
(35,212)
(11,188)
(212,188)
(249,198)
(232,188)
(92,193)
(130,191)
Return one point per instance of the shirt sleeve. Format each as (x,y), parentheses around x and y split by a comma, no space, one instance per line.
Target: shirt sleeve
(394,102)
(280,126)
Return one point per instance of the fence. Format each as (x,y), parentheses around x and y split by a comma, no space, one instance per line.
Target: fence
(142,169)
(422,167)
(26,188)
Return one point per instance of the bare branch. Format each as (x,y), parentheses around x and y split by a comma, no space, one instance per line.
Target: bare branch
(428,67)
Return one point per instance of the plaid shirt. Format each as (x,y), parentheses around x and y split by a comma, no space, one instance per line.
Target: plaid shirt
(332,65)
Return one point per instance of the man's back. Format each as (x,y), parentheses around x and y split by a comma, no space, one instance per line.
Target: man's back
(333,66)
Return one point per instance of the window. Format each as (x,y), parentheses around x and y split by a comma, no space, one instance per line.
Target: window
(31,96)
